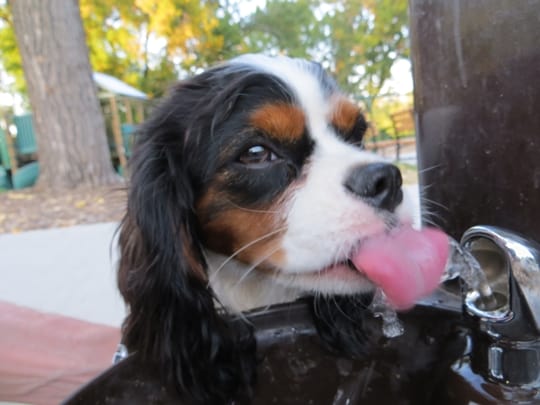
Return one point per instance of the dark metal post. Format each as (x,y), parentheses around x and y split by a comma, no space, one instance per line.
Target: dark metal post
(477,98)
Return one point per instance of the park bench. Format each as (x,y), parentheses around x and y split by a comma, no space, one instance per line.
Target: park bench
(404,134)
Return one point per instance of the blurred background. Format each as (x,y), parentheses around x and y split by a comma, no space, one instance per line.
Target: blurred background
(138,48)
(76,78)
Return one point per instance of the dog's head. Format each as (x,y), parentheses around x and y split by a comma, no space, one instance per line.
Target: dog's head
(257,161)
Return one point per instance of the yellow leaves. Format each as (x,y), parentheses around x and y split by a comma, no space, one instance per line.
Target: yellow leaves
(156,9)
(85,9)
(166,17)
(147,42)
(19,196)
(133,39)
(184,24)
(84,203)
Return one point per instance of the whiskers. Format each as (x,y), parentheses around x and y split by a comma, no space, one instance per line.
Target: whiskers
(255,265)
(252,210)
(431,209)
(428,169)
(345,315)
(248,245)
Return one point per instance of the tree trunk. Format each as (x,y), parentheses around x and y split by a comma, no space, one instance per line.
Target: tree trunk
(70,129)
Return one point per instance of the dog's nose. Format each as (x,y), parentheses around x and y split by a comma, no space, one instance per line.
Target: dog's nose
(378,184)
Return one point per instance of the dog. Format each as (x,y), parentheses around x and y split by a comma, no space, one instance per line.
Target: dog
(249,187)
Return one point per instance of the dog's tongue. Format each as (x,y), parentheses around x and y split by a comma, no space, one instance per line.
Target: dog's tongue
(407,264)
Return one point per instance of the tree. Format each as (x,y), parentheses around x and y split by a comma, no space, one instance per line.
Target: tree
(118,40)
(284,27)
(358,41)
(364,39)
(70,128)
(146,43)
(149,43)
(9,53)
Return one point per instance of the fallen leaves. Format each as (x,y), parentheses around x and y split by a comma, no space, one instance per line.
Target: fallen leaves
(19,196)
(28,209)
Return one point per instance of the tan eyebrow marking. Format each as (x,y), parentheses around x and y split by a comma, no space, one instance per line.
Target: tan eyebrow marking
(344,115)
(281,121)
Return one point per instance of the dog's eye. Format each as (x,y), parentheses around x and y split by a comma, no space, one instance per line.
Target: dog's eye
(257,155)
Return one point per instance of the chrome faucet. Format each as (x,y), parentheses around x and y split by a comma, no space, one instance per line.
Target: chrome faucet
(505,337)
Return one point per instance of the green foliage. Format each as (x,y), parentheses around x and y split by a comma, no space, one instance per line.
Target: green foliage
(357,40)
(365,38)
(150,43)
(147,43)
(284,27)
(10,59)
(384,107)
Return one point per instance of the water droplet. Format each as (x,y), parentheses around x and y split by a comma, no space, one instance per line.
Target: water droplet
(380,307)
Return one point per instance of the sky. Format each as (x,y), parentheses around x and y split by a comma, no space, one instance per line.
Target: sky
(401,81)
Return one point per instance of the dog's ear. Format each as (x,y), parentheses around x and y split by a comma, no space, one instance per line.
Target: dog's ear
(172,319)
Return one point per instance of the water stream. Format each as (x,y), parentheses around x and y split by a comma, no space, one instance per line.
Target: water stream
(381,308)
(461,263)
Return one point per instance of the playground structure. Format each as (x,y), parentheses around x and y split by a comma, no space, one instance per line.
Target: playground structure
(123,108)
(19,167)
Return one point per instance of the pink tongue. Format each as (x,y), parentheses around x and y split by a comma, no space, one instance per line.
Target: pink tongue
(407,264)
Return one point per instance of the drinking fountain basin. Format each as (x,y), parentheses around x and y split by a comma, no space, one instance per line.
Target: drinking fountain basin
(453,350)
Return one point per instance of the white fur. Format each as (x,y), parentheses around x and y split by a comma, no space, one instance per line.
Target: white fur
(240,288)
(324,221)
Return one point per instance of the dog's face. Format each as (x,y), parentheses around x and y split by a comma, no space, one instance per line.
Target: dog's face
(287,189)
(256,163)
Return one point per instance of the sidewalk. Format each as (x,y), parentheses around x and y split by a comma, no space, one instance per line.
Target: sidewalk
(69,271)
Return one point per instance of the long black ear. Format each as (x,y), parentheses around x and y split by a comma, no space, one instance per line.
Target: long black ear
(172,319)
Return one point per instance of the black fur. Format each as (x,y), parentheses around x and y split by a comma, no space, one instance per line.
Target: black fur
(173,322)
(344,324)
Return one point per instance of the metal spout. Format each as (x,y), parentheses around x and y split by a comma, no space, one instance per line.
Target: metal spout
(506,338)
(512,268)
